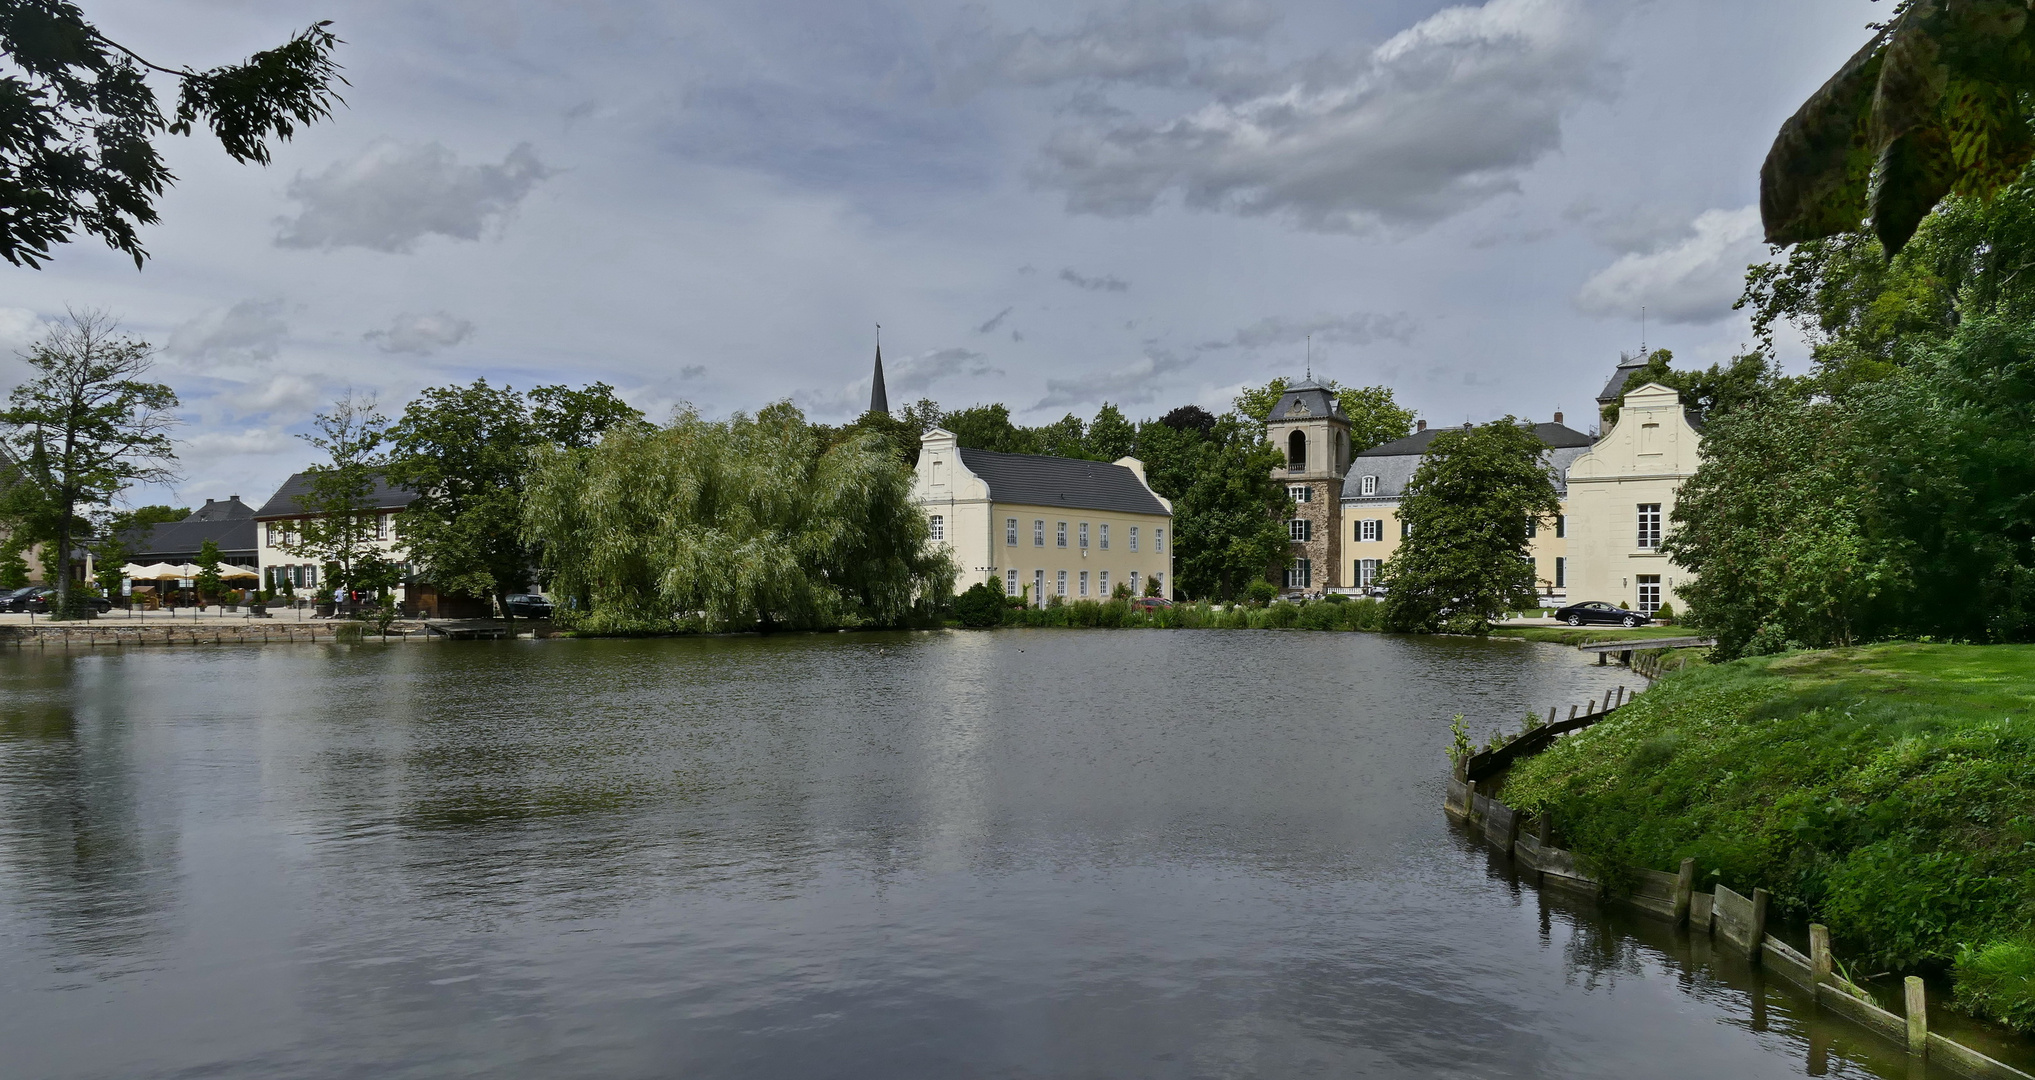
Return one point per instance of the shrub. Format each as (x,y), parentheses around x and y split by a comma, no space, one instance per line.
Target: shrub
(1999,980)
(1261,592)
(981,605)
(1666,614)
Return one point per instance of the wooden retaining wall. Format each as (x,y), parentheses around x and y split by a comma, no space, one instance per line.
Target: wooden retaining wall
(1735,920)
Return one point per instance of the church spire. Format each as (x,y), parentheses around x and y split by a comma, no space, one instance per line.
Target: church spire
(878,400)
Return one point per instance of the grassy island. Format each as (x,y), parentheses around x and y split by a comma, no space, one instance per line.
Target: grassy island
(1887,791)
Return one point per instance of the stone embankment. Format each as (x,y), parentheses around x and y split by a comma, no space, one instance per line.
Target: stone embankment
(137,635)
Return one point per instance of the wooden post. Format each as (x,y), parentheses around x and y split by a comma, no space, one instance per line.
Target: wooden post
(1759,902)
(1685,890)
(1819,954)
(1593,707)
(1918,1016)
(1603,658)
(1572,712)
(1469,800)
(1546,833)
(1511,833)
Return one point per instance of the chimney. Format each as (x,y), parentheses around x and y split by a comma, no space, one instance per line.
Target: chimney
(208,502)
(1558,416)
(1420,425)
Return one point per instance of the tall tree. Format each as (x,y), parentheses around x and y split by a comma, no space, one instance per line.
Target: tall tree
(341,529)
(119,535)
(1065,437)
(208,582)
(989,427)
(1375,416)
(1465,556)
(1110,436)
(1709,393)
(79,123)
(1227,527)
(748,523)
(465,451)
(82,430)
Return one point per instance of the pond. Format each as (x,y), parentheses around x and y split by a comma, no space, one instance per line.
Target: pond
(1045,853)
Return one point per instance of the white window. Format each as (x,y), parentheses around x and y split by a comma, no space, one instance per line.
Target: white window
(1104,537)
(1060,583)
(1084,583)
(1010,531)
(1367,572)
(1561,572)
(1532,527)
(1084,534)
(1038,532)
(1371,529)
(939,527)
(381,526)
(1161,579)
(1300,492)
(311,576)
(1039,587)
(1102,584)
(1134,538)
(274,533)
(1649,526)
(1060,535)
(1405,528)
(1134,583)
(1010,584)
(1300,529)
(1369,485)
(1159,540)
(1649,593)
(1300,575)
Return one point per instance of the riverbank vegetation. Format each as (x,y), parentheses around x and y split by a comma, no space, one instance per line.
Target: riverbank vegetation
(984,606)
(1887,791)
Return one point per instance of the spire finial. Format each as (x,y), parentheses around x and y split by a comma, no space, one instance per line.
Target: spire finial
(1310,358)
(879,401)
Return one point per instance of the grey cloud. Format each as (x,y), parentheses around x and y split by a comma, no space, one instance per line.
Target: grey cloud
(1359,328)
(1142,43)
(420,335)
(905,376)
(250,331)
(692,371)
(1441,117)
(1695,280)
(995,322)
(1104,283)
(395,194)
(19,329)
(1631,229)
(1128,385)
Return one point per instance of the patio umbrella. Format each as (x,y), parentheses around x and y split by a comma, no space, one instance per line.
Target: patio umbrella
(237,572)
(153,570)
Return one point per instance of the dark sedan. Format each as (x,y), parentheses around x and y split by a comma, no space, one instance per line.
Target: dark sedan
(529,606)
(1597,611)
(40,602)
(14,599)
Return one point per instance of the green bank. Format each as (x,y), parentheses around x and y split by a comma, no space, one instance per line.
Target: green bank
(1887,791)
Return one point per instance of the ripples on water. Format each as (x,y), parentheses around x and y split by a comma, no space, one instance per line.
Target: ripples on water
(1026,853)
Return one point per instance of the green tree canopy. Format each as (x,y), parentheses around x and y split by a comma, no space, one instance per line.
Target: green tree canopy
(79,122)
(1708,393)
(1227,509)
(1110,436)
(342,526)
(208,581)
(748,523)
(1465,557)
(82,429)
(1375,416)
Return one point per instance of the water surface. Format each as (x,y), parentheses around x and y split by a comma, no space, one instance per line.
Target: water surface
(1012,854)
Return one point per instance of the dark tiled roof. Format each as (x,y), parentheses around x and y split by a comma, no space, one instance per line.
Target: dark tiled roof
(180,541)
(1553,435)
(1318,401)
(1615,389)
(284,503)
(228,509)
(1056,481)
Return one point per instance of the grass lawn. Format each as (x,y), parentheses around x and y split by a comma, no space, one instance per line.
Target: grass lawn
(1887,791)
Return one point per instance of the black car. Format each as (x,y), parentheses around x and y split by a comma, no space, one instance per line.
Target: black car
(41,597)
(13,599)
(1597,611)
(529,606)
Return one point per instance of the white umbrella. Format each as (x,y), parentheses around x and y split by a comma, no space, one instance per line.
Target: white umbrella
(154,570)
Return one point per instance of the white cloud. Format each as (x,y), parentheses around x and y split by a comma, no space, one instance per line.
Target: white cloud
(1102,283)
(420,335)
(282,392)
(1694,280)
(19,328)
(1358,328)
(249,441)
(1131,384)
(395,194)
(250,331)
(1143,43)
(1441,117)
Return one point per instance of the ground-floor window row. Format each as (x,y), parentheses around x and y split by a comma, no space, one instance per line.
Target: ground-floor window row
(1012,584)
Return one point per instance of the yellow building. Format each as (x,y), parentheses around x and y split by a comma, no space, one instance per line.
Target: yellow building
(1621,496)
(1040,526)
(1377,480)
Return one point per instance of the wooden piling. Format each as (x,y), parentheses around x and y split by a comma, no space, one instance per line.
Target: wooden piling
(1685,890)
(1551,713)
(1572,712)
(1820,965)
(1469,800)
(1918,1016)
(1759,904)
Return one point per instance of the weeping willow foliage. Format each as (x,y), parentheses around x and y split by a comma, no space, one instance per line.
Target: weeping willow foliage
(736,525)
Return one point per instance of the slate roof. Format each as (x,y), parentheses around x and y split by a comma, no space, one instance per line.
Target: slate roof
(1041,480)
(1615,389)
(284,503)
(1316,398)
(180,541)
(1394,462)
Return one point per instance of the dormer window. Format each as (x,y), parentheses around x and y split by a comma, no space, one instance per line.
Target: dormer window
(1369,485)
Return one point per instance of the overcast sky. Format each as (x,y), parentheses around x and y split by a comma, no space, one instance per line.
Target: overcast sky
(1045,204)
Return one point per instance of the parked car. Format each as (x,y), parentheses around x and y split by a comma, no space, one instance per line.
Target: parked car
(1597,611)
(529,606)
(40,602)
(13,599)
(1150,603)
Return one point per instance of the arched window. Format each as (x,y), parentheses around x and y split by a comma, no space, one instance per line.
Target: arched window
(1296,451)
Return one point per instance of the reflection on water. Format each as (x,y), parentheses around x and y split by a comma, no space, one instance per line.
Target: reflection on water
(1048,853)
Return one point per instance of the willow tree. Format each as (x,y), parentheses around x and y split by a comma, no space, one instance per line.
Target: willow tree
(749,523)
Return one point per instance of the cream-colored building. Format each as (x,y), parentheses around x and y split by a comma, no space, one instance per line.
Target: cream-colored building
(1621,497)
(1040,526)
(1378,478)
(278,525)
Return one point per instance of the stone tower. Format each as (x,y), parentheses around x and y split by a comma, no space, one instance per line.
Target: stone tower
(1309,428)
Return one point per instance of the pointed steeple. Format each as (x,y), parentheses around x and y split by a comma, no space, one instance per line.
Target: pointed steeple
(878,400)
